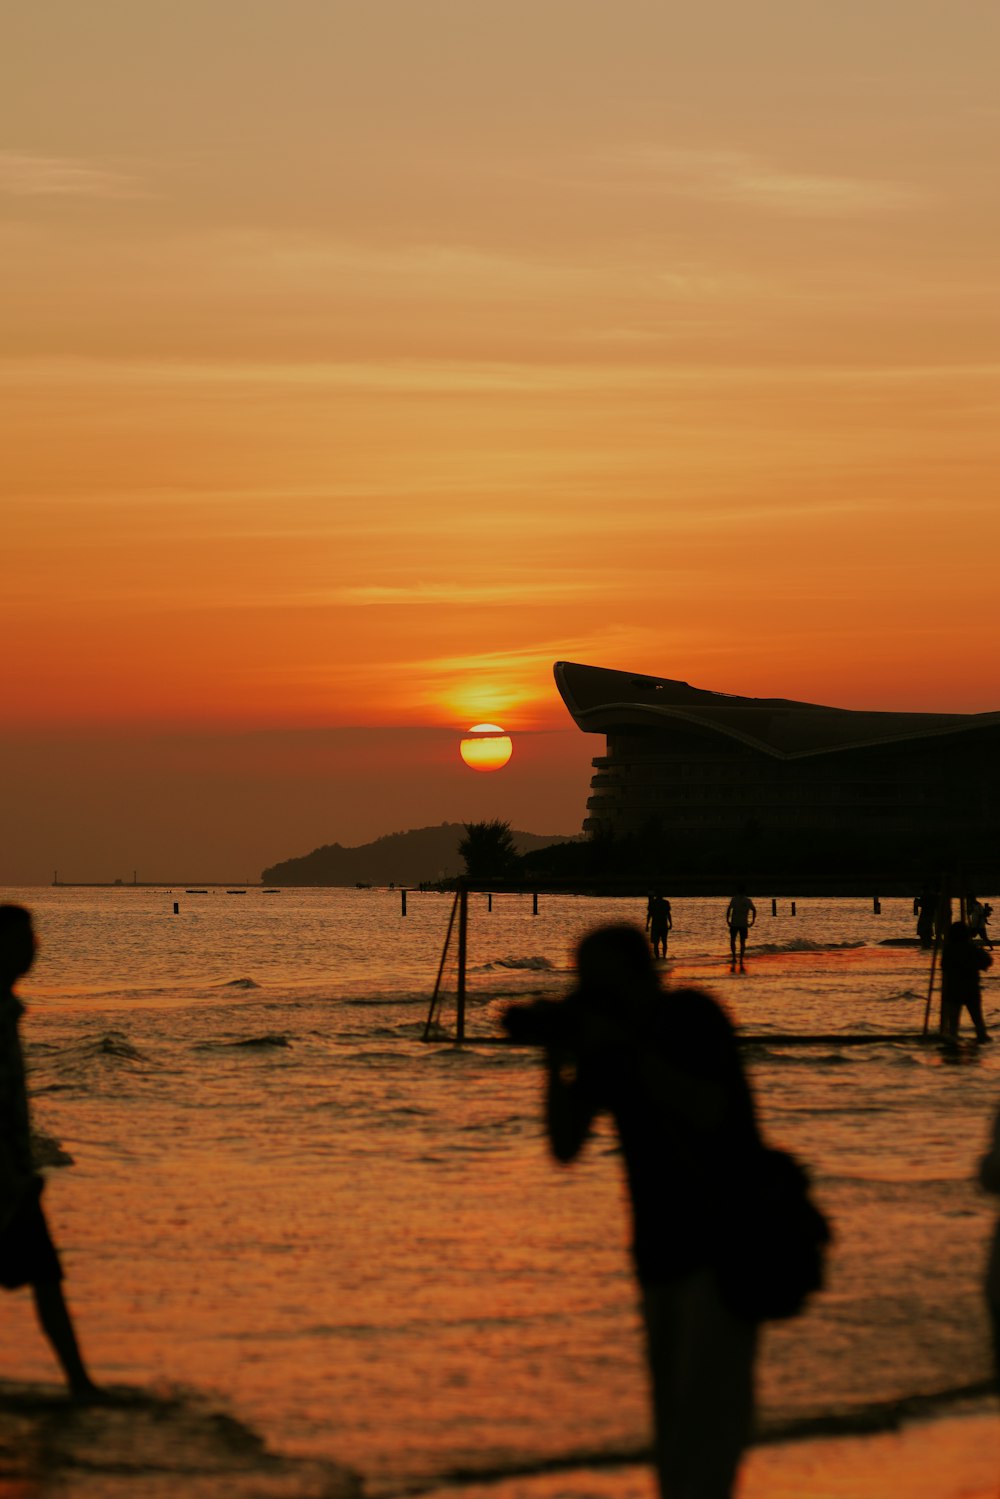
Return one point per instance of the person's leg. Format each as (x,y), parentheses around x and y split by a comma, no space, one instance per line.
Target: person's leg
(56,1323)
(701,1365)
(975,1009)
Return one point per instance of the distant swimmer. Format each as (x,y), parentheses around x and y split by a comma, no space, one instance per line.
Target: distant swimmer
(961,965)
(659,921)
(741,913)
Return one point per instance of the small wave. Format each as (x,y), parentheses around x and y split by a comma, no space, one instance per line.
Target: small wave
(882,1415)
(115,1045)
(801,944)
(238,984)
(774,1053)
(246,1043)
(365,1001)
(46,1150)
(533,964)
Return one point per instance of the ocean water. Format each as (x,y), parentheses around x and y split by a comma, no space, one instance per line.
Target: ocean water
(281,1201)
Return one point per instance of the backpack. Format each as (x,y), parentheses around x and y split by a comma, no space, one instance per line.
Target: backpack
(772,1257)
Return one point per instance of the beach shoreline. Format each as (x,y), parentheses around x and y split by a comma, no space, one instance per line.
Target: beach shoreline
(150,1444)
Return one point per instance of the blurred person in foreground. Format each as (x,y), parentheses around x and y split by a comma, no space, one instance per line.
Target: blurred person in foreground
(27,1254)
(665,1066)
(989,1180)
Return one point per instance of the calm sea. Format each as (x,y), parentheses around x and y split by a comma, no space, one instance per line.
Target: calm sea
(280,1197)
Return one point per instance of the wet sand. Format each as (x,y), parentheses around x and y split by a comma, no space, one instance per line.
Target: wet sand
(954,1457)
(143,1444)
(147,1445)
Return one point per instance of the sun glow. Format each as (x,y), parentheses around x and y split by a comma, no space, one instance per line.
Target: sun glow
(486,747)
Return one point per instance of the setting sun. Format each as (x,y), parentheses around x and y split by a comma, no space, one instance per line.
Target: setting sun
(486,747)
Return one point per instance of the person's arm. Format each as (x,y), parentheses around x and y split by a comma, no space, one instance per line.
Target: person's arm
(751,912)
(729,914)
(570,1107)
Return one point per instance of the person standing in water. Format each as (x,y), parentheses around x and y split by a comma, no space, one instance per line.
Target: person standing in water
(659,921)
(961,964)
(741,913)
(664,1064)
(28,1256)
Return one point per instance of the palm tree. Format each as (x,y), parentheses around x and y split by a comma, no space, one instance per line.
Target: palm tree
(489,851)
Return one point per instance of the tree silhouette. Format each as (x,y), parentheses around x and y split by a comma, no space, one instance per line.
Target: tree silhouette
(489,851)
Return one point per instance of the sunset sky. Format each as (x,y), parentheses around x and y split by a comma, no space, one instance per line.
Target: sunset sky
(360,360)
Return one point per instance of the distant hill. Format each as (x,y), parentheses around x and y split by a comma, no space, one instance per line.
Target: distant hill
(397,858)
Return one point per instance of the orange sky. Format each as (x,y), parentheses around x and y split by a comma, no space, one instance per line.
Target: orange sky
(359,361)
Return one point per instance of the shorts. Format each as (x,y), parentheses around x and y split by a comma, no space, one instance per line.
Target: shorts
(28,1256)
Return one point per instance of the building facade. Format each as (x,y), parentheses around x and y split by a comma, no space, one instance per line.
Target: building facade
(786,784)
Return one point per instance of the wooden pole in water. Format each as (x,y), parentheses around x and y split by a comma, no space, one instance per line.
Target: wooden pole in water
(463,931)
(930,987)
(402,895)
(943,896)
(444,955)
(534,904)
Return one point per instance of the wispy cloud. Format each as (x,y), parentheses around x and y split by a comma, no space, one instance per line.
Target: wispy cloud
(513,680)
(540,590)
(26,175)
(740,177)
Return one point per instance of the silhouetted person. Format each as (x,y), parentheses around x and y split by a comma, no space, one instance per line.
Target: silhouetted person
(961,964)
(942,916)
(923,909)
(659,921)
(989,1180)
(741,913)
(977,915)
(27,1254)
(665,1066)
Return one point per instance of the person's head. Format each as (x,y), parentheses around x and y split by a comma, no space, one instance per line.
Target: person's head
(617,961)
(17,943)
(958,932)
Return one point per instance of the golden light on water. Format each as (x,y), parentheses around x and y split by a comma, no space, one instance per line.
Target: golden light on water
(486,747)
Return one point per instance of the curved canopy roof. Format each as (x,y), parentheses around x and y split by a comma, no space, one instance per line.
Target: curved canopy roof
(604,701)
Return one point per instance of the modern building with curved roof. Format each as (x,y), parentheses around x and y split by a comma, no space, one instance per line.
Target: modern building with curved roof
(785,782)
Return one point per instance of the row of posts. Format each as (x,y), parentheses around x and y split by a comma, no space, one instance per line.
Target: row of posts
(489,901)
(876,904)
